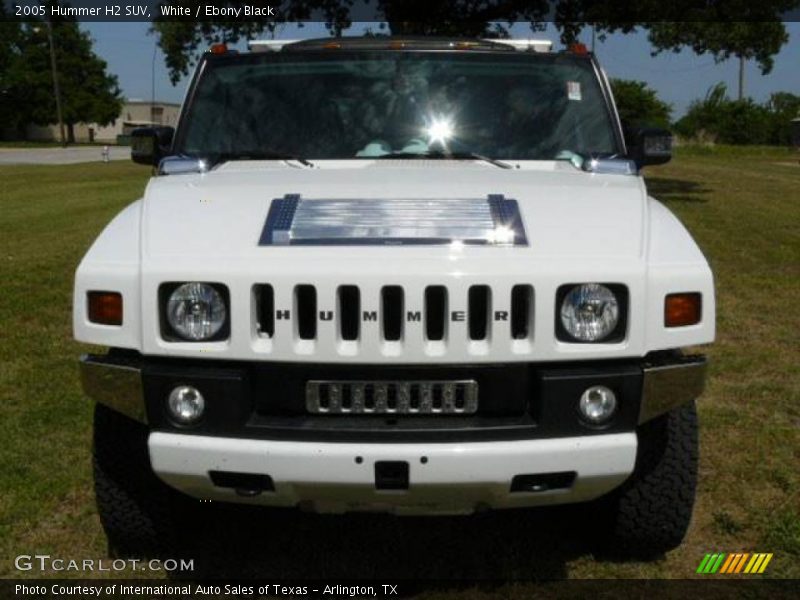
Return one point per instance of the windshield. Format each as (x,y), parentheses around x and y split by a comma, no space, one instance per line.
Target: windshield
(383,104)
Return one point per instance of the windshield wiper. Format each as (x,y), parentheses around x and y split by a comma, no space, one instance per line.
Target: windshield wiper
(460,155)
(217,159)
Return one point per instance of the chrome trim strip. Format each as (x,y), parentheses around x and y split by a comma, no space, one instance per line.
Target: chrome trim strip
(665,387)
(392,397)
(116,386)
(611,105)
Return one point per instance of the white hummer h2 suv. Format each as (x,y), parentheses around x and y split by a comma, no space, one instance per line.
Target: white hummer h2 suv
(420,276)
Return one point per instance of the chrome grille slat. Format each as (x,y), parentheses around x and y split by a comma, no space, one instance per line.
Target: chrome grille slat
(403,397)
(335,398)
(357,398)
(426,398)
(448,398)
(372,397)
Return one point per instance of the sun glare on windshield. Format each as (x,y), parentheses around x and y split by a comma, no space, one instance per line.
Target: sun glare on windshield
(439,131)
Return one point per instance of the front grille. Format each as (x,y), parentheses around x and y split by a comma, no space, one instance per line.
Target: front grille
(478,310)
(521,311)
(392,397)
(435,312)
(305,301)
(349,304)
(394,320)
(392,312)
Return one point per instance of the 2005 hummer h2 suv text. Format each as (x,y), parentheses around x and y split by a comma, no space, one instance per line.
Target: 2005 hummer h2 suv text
(420,276)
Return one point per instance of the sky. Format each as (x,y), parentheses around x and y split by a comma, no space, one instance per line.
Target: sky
(677,78)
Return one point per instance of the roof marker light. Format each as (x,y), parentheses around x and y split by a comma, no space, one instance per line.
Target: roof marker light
(220,48)
(578,48)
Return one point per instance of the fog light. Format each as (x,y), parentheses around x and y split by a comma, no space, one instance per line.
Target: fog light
(597,404)
(186,405)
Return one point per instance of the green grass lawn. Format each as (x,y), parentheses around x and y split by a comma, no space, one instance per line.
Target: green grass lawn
(34,145)
(743,207)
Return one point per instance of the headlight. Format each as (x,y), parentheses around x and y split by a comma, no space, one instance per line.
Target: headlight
(590,312)
(196,311)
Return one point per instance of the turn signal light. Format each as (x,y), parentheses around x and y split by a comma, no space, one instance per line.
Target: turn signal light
(105,308)
(681,310)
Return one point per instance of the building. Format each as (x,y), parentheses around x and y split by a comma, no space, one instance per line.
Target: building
(135,113)
(795,132)
(138,113)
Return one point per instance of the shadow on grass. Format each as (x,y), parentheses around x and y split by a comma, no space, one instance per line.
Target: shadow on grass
(676,190)
(243,542)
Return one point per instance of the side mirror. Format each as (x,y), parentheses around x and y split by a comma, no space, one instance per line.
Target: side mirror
(150,144)
(649,146)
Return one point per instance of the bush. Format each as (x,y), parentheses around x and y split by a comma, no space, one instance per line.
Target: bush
(739,121)
(784,107)
(638,105)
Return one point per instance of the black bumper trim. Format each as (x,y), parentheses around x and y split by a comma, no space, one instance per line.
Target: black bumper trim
(520,401)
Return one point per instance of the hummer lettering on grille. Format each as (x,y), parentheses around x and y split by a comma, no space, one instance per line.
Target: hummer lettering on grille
(412,316)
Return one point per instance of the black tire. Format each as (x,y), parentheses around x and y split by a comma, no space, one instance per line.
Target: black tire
(650,513)
(135,507)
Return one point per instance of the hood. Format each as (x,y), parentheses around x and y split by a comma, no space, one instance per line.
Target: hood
(566,213)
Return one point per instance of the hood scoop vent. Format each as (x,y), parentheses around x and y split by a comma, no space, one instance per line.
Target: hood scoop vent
(493,221)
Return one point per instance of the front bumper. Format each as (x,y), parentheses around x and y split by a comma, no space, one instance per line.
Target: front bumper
(433,465)
(441,478)
(266,400)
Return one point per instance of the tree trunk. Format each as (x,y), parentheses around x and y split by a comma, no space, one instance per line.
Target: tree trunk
(741,77)
(70,133)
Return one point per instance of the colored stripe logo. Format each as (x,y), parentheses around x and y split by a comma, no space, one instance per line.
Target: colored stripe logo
(741,562)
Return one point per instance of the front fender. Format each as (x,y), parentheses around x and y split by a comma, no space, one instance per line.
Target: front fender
(112,263)
(675,264)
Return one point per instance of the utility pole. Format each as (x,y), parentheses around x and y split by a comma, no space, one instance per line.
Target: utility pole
(56,90)
(153,88)
(741,77)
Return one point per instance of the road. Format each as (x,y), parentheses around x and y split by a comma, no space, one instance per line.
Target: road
(61,156)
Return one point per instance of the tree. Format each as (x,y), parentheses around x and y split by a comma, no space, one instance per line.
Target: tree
(721,27)
(181,40)
(759,41)
(10,34)
(88,93)
(638,104)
